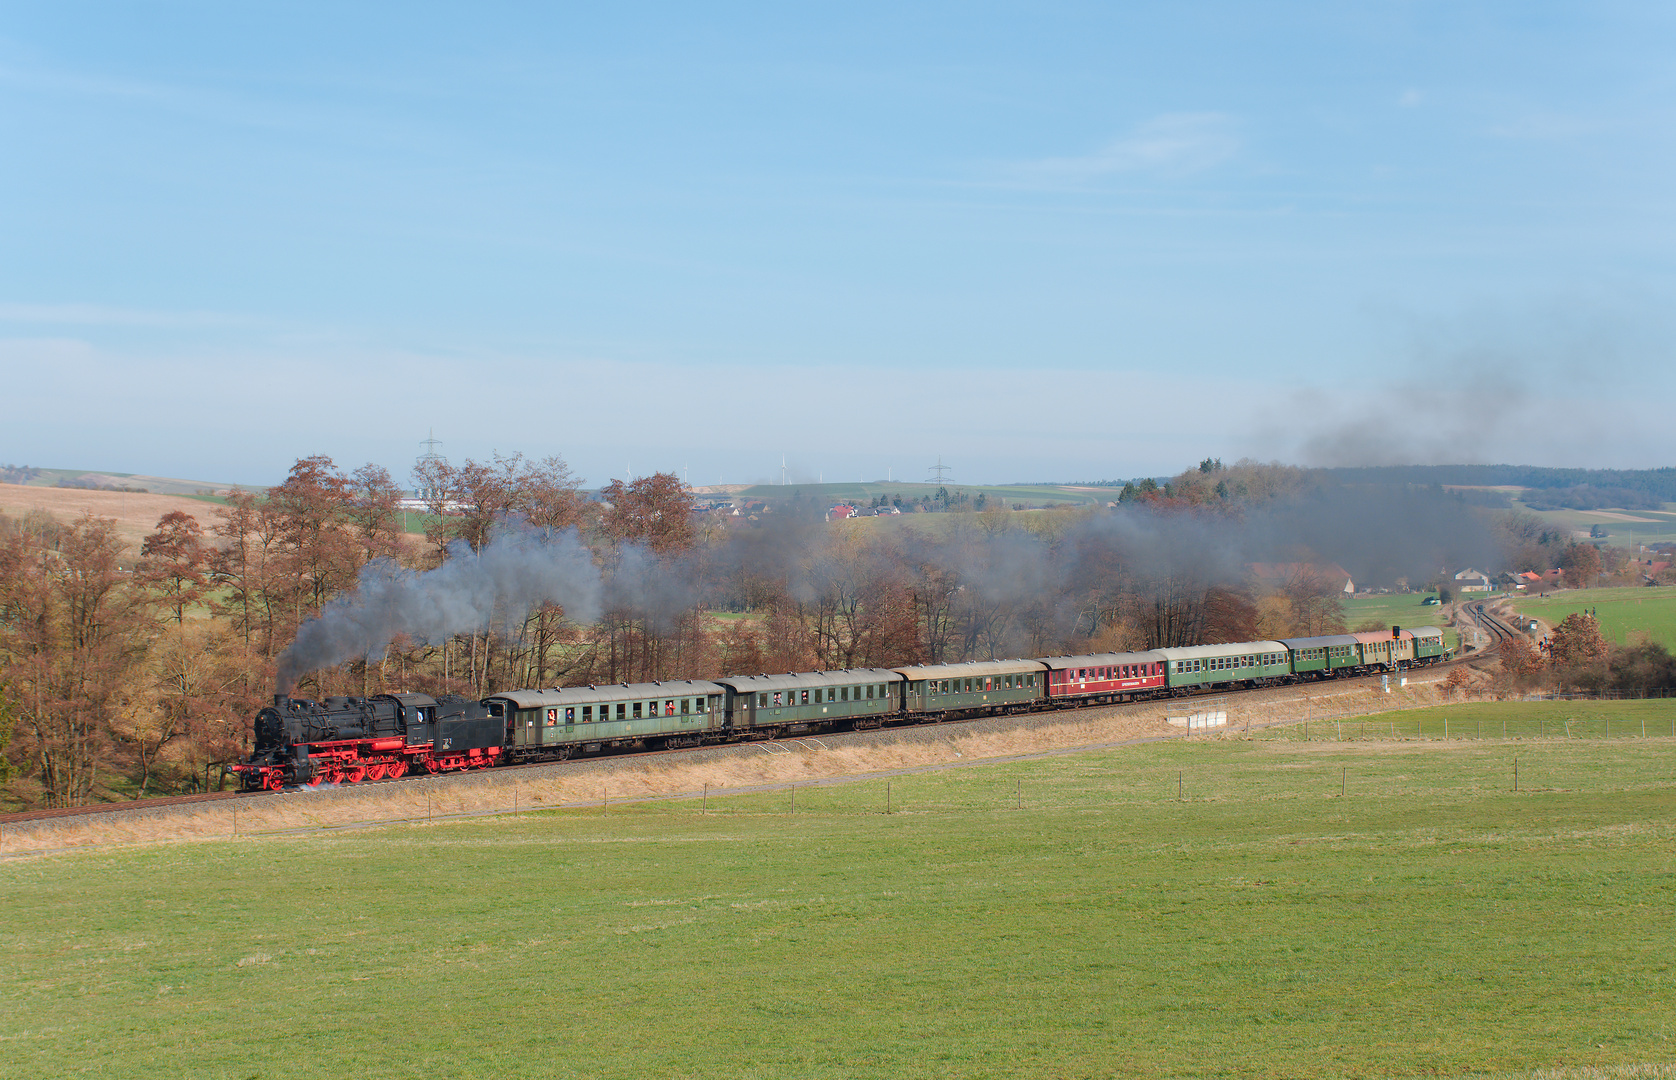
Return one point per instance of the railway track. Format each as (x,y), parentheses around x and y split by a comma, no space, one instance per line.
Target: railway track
(165,802)
(1498,629)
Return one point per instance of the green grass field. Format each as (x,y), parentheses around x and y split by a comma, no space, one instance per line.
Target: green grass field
(1625,614)
(1650,526)
(1400,609)
(1064,917)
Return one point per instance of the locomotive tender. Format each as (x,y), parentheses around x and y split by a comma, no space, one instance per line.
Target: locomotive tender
(346,739)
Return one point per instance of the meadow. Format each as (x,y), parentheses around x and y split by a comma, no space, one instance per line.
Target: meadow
(1400,609)
(1626,615)
(1207,908)
(1625,528)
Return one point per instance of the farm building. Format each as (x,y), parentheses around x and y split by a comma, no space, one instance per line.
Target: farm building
(1470,580)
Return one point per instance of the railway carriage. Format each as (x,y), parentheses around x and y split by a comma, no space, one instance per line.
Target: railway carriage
(1428,645)
(552,725)
(1104,676)
(1255,663)
(975,686)
(1386,652)
(803,701)
(1323,657)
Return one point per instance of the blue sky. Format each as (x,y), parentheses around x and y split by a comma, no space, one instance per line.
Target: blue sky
(1046,242)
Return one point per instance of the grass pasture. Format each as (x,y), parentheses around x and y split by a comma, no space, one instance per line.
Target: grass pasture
(1400,609)
(1063,917)
(1624,527)
(1626,615)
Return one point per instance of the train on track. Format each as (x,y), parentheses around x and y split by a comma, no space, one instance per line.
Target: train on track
(347,739)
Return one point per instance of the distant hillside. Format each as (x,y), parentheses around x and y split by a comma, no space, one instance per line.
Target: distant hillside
(90,480)
(1577,489)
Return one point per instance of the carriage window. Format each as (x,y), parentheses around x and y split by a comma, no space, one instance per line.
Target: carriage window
(637,710)
(762,700)
(869,691)
(622,710)
(805,700)
(570,715)
(684,703)
(587,714)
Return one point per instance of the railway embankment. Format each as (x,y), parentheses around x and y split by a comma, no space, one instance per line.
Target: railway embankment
(598,784)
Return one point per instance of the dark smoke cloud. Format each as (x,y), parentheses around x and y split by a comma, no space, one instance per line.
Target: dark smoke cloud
(515,573)
(1377,534)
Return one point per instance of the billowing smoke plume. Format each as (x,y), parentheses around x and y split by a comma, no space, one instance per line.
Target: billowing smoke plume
(515,573)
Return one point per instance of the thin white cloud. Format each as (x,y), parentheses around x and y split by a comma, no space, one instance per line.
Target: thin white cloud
(100,315)
(1171,144)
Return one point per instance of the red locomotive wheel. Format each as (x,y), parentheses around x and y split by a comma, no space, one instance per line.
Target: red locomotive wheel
(375,771)
(395,769)
(317,779)
(354,774)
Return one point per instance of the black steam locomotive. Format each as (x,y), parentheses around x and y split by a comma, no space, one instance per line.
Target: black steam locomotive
(348,739)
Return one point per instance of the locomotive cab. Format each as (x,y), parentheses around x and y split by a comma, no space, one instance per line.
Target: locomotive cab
(418,718)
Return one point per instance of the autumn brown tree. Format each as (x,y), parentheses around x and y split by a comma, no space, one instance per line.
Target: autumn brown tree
(173,562)
(654,511)
(71,630)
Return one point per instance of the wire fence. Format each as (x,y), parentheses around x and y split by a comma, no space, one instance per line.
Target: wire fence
(1394,726)
(1605,695)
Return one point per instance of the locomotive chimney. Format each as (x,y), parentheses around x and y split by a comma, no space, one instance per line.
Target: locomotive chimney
(282,701)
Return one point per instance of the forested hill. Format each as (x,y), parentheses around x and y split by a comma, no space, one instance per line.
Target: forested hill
(1581,488)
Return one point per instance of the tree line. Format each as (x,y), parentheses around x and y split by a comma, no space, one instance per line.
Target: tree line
(124,677)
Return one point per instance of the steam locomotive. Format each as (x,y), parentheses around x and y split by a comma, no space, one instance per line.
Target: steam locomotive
(349,739)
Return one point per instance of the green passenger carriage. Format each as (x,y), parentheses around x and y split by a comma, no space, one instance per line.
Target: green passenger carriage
(1001,685)
(554,724)
(801,701)
(1325,656)
(1254,662)
(1428,645)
